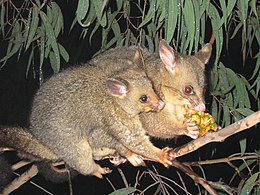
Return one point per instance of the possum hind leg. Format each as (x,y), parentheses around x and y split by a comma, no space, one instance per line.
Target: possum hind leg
(78,154)
(85,163)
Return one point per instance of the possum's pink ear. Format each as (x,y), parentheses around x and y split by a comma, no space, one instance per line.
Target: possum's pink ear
(117,87)
(167,56)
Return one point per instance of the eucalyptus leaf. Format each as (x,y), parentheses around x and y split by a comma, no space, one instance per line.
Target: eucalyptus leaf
(53,62)
(250,183)
(53,42)
(82,10)
(58,24)
(90,18)
(64,53)
(171,18)
(33,26)
(242,144)
(101,15)
(2,19)
(149,15)
(42,47)
(226,115)
(124,191)
(188,12)
(245,111)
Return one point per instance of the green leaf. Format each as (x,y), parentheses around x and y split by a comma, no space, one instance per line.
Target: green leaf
(42,46)
(116,29)
(53,41)
(161,11)
(224,10)
(33,26)
(57,18)
(236,30)
(91,17)
(30,61)
(197,25)
(214,108)
(2,19)
(28,24)
(170,18)
(82,10)
(243,9)
(226,115)
(15,42)
(189,15)
(217,29)
(245,111)
(53,62)
(64,53)
(119,4)
(250,183)
(224,85)
(150,42)
(230,7)
(149,16)
(257,65)
(101,15)
(254,9)
(50,16)
(242,144)
(246,91)
(233,78)
(124,191)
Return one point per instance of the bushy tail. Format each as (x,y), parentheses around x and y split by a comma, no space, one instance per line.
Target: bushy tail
(6,174)
(28,147)
(25,143)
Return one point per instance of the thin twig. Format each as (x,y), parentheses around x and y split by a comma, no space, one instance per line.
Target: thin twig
(123,177)
(194,176)
(247,156)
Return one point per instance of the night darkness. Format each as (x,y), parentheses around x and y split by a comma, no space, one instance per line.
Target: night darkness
(17,90)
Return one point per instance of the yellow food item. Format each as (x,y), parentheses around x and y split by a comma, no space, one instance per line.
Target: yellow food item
(204,120)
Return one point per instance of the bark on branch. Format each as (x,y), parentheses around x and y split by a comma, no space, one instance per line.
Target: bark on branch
(218,136)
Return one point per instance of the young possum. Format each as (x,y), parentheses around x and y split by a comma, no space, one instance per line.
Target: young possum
(178,79)
(77,104)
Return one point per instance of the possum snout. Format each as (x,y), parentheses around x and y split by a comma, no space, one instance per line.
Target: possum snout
(159,106)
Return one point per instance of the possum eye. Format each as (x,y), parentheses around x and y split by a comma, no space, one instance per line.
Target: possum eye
(188,90)
(144,98)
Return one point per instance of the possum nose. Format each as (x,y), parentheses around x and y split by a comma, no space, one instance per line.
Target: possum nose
(159,106)
(200,107)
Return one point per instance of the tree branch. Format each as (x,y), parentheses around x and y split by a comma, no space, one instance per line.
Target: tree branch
(26,176)
(194,176)
(218,136)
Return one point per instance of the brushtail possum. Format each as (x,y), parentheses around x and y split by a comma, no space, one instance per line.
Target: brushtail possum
(178,79)
(79,111)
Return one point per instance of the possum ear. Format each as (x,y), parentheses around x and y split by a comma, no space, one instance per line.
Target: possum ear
(117,87)
(167,56)
(204,54)
(138,59)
